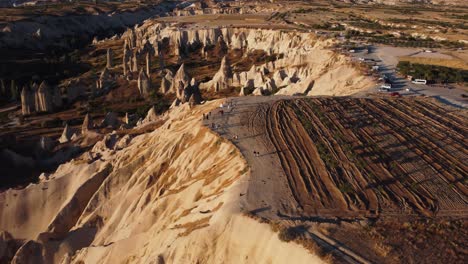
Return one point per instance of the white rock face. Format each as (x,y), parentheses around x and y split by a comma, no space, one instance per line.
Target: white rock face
(300,59)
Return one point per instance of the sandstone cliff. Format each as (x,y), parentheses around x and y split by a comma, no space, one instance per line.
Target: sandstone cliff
(304,64)
(149,199)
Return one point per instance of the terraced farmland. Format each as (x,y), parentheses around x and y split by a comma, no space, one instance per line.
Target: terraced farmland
(351,157)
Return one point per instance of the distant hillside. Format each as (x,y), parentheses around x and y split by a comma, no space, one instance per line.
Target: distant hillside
(394,2)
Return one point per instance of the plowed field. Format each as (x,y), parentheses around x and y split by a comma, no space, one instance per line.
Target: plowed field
(356,157)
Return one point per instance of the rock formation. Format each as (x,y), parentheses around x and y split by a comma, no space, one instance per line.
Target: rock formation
(87,124)
(221,47)
(180,81)
(110,120)
(134,62)
(46,144)
(131,199)
(151,115)
(66,135)
(242,92)
(44,99)
(161,61)
(126,64)
(144,84)
(104,79)
(166,82)
(298,55)
(148,64)
(110,58)
(223,78)
(14,94)
(28,103)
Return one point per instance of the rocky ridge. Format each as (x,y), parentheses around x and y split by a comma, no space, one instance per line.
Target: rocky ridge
(303,65)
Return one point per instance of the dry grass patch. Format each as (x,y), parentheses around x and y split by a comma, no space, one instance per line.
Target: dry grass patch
(450,63)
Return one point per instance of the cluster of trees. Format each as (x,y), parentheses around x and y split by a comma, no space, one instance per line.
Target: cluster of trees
(438,74)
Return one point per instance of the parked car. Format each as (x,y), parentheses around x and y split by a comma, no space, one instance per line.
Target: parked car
(419,81)
(386,86)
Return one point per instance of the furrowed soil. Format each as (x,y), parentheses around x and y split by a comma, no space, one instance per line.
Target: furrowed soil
(357,170)
(351,157)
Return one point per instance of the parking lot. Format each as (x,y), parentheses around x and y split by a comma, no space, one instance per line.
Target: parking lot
(386,58)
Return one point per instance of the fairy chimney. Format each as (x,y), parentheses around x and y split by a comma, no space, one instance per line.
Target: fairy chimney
(87,124)
(110,58)
(144,84)
(148,64)
(180,76)
(66,135)
(134,62)
(27,101)
(44,100)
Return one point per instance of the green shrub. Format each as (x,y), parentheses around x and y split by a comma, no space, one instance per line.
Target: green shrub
(434,73)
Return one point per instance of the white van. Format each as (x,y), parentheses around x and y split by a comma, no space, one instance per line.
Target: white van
(419,81)
(387,86)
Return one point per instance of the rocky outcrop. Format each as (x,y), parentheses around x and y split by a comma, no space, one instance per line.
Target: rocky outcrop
(28,102)
(151,115)
(166,82)
(148,64)
(109,58)
(144,84)
(44,98)
(134,61)
(162,65)
(104,79)
(110,120)
(66,135)
(180,81)
(87,124)
(242,92)
(123,199)
(126,63)
(222,79)
(295,59)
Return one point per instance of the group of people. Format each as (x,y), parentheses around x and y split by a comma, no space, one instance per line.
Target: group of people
(256,153)
(215,126)
(206,116)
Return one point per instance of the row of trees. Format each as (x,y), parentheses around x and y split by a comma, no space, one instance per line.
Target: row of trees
(438,74)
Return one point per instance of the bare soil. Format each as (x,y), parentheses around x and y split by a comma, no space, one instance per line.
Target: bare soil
(383,177)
